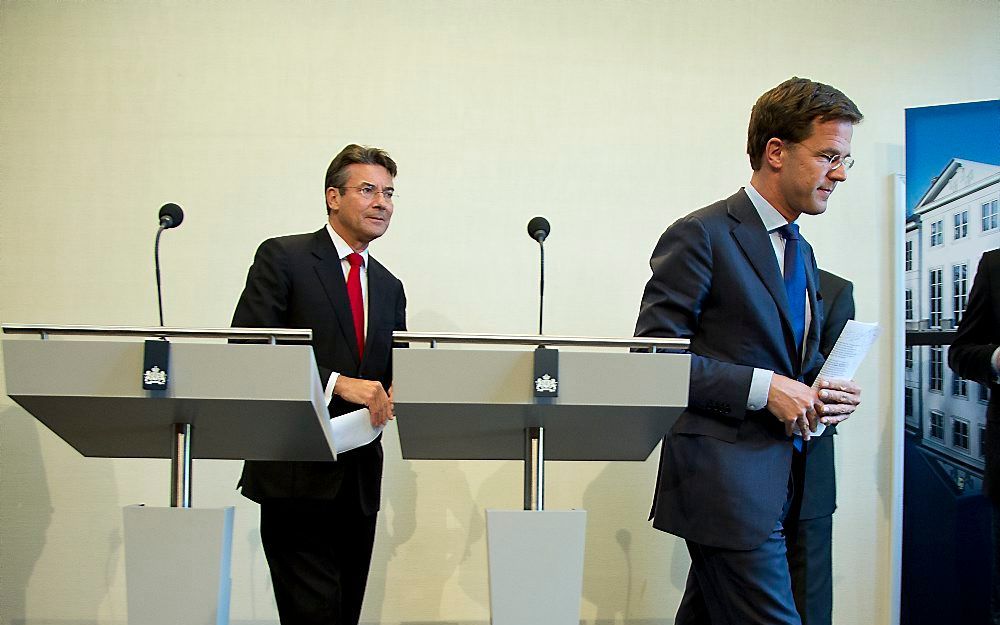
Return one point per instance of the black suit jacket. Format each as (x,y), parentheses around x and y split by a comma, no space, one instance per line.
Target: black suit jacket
(298,282)
(819,498)
(724,469)
(971,353)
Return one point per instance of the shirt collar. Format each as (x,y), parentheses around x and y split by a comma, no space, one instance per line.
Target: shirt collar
(343,249)
(768,214)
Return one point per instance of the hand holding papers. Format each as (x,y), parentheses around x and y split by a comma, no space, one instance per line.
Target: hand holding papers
(354,429)
(851,348)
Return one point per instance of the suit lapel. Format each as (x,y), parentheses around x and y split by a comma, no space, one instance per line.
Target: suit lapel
(751,236)
(816,324)
(378,296)
(331,275)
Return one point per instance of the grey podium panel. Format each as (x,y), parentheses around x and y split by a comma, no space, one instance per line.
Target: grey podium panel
(536,566)
(89,393)
(475,404)
(177,565)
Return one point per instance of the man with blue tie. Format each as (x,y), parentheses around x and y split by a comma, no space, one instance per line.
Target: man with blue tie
(738,280)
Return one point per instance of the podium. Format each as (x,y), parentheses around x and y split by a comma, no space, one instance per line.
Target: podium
(222,400)
(536,405)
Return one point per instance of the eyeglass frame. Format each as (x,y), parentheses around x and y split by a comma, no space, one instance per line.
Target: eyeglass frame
(369,191)
(833,161)
(836,161)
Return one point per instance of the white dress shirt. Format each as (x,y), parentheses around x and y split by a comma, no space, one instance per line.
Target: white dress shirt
(761,381)
(344,250)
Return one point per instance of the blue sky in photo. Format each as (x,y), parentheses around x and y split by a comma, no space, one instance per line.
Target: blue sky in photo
(936,134)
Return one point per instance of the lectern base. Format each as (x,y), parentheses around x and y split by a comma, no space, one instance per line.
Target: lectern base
(536,566)
(177,563)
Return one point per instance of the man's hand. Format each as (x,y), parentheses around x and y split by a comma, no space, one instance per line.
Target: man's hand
(367,393)
(792,402)
(840,398)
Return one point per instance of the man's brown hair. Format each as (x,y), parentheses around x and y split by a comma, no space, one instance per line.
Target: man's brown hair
(787,112)
(336,173)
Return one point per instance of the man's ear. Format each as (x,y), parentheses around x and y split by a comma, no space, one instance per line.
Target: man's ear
(774,152)
(333,199)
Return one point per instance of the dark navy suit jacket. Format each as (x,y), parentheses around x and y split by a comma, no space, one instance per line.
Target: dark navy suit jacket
(724,469)
(819,498)
(297,281)
(971,352)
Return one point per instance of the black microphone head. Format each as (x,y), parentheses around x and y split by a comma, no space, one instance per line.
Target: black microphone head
(171,215)
(538,228)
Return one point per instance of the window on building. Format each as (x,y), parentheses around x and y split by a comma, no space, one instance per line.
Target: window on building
(908,356)
(991,215)
(937,233)
(960,290)
(936,279)
(909,304)
(982,441)
(959,386)
(937,425)
(961,224)
(959,433)
(936,369)
(909,255)
(908,402)
(984,393)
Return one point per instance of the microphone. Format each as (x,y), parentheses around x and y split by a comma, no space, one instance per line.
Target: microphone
(171,216)
(538,228)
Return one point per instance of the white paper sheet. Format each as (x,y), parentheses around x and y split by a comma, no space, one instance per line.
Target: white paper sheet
(352,430)
(852,346)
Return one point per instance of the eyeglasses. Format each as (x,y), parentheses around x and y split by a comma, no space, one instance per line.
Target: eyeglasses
(833,161)
(836,161)
(369,191)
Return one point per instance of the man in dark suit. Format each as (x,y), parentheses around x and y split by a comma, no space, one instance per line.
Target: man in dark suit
(729,468)
(975,355)
(317,519)
(810,543)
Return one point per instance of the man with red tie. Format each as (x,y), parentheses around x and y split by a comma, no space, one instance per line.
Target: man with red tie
(317,520)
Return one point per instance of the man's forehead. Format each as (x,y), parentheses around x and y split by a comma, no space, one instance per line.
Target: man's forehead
(358,171)
(831,130)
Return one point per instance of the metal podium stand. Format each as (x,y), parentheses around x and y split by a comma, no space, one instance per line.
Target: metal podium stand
(481,404)
(223,401)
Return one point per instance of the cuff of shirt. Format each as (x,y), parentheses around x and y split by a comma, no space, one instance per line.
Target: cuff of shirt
(760,384)
(328,393)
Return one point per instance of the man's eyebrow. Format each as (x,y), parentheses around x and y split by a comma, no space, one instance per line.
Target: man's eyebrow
(372,184)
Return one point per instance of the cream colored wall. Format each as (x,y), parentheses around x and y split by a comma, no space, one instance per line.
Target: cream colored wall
(610,118)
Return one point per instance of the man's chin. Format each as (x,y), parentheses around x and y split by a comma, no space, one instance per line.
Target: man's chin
(817,208)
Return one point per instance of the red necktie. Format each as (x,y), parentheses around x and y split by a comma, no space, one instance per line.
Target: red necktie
(357,299)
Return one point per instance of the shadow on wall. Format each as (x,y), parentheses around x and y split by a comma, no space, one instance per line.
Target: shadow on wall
(396,524)
(617,502)
(90,534)
(27,508)
(260,585)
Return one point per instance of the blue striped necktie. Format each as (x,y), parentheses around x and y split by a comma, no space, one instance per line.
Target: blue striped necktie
(795,289)
(795,285)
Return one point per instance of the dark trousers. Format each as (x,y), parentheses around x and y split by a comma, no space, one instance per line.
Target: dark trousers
(318,555)
(754,587)
(811,565)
